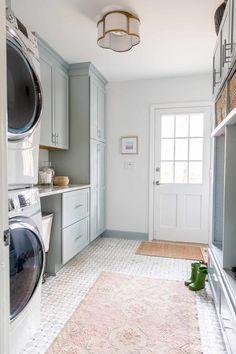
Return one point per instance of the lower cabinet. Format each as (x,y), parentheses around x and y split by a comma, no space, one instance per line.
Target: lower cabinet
(224,303)
(97,180)
(75,206)
(97,220)
(71,226)
(74,238)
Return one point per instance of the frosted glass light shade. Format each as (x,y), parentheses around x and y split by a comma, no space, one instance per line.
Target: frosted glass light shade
(119,31)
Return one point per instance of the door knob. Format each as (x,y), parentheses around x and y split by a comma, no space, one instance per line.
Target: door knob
(157,183)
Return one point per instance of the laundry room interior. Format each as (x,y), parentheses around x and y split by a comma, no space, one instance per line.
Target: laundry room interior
(117,178)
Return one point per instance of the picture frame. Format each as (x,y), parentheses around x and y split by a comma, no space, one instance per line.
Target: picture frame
(129,145)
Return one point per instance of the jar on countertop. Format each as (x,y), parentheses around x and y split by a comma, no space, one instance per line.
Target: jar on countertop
(46,174)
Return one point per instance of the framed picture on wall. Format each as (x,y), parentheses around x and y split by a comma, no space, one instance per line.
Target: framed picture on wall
(129,145)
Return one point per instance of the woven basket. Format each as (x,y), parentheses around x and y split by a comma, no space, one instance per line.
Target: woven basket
(219,15)
(232,92)
(221,105)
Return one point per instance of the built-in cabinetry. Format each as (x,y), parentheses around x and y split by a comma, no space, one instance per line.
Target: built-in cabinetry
(84,162)
(55,87)
(70,230)
(224,57)
(222,254)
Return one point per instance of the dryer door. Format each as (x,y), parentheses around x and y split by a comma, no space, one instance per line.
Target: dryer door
(26,262)
(24,97)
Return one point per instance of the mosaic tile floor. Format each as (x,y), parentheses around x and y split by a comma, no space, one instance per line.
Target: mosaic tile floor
(63,293)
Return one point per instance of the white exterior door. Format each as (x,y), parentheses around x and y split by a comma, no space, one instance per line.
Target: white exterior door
(4,252)
(181,174)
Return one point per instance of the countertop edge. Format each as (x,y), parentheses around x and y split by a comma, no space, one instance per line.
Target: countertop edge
(48,191)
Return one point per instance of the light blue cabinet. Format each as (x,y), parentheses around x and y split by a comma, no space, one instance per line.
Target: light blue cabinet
(98,187)
(55,86)
(61,115)
(84,162)
(46,68)
(97,106)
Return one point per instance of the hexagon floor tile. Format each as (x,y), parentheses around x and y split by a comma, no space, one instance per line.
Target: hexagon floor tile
(62,294)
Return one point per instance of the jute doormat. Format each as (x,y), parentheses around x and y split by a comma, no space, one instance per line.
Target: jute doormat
(173,250)
(130,314)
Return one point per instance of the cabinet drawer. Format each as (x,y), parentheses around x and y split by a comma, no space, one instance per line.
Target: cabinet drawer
(75,206)
(214,279)
(74,239)
(228,319)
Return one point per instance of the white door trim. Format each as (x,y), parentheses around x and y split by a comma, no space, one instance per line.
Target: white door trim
(153,108)
(4,252)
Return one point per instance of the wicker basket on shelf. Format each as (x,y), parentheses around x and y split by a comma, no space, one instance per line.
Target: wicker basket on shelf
(232,92)
(221,106)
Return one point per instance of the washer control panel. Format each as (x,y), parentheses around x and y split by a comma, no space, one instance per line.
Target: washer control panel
(18,200)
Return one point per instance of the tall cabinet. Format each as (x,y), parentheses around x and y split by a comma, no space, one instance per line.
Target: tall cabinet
(84,162)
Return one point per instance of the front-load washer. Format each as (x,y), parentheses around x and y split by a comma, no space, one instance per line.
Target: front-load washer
(27,259)
(24,101)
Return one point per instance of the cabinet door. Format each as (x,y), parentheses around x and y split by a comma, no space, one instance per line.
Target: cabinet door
(233,27)
(93,109)
(101,165)
(94,165)
(101,114)
(61,121)
(97,110)
(97,163)
(101,210)
(225,42)
(46,68)
(217,65)
(94,233)
(97,180)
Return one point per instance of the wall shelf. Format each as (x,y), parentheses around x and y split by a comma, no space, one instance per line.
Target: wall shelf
(229,120)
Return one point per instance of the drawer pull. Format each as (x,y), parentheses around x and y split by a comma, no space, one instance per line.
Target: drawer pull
(78,237)
(78,206)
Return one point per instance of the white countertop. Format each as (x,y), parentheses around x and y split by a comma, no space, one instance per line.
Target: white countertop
(45,191)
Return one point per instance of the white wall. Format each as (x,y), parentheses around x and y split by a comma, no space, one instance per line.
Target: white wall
(128,114)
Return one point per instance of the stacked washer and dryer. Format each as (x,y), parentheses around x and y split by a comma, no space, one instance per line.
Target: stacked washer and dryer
(27,256)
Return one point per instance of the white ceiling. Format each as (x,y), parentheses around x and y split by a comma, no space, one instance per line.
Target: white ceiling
(177,37)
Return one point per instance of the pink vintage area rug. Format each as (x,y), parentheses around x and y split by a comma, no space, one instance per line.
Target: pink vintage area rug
(127,314)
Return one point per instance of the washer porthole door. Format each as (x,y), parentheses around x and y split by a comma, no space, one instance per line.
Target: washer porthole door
(23,93)
(26,263)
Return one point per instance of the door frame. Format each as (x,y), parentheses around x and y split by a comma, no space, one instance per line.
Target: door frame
(153,108)
(4,251)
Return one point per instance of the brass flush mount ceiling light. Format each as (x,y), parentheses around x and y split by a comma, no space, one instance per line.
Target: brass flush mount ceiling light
(119,31)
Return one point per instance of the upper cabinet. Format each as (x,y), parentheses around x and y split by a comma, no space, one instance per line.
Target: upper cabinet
(224,59)
(55,87)
(233,27)
(97,104)
(225,42)
(217,65)
(61,115)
